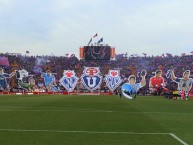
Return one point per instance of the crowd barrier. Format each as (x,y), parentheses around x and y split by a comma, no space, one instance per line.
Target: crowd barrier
(62,93)
(55,93)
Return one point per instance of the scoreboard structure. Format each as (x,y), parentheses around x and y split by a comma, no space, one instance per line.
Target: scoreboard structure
(97,53)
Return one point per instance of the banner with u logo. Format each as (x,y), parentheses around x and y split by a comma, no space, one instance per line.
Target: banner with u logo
(91,78)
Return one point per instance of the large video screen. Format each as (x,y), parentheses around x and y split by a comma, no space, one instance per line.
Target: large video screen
(97,52)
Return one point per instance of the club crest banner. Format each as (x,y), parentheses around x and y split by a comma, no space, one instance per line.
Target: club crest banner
(91,78)
(69,80)
(113,79)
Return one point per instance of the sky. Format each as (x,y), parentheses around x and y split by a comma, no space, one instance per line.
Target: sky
(57,27)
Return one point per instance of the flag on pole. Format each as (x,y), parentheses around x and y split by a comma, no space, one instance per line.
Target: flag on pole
(90,41)
(169,54)
(27,51)
(95,35)
(100,40)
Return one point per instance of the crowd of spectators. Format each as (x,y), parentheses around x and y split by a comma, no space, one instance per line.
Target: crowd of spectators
(36,65)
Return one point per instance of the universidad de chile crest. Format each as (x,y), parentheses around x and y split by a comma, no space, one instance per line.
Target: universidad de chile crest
(69,80)
(113,79)
(91,78)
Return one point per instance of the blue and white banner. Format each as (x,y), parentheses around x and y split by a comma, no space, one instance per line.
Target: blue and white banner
(113,79)
(69,80)
(91,78)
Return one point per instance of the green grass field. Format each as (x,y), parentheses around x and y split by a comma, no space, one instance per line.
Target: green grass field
(94,120)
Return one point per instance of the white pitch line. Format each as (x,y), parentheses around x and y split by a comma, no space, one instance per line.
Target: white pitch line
(85,110)
(178,139)
(76,131)
(95,132)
